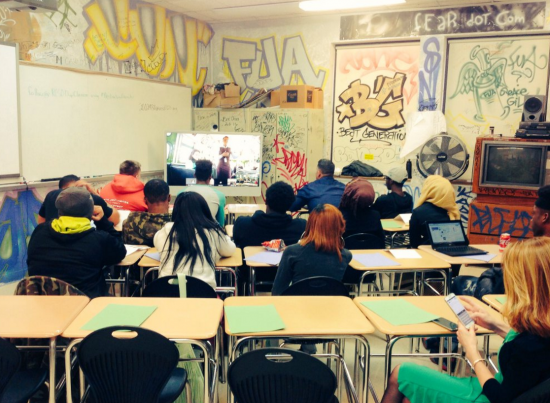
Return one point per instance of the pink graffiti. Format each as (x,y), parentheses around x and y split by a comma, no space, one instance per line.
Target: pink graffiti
(369,60)
(292,165)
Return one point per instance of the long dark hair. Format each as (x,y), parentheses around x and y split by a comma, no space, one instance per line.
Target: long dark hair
(192,218)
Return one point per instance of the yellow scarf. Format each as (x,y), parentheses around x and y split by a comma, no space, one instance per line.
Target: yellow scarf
(71,225)
(439,191)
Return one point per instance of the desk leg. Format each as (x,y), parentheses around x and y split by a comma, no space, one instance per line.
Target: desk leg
(252,281)
(68,377)
(387,364)
(51,354)
(231,357)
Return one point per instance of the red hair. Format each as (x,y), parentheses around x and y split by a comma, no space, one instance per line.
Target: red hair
(325,227)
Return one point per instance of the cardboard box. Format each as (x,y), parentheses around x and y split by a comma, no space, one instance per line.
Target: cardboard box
(232,90)
(297,96)
(275,98)
(318,98)
(228,101)
(212,101)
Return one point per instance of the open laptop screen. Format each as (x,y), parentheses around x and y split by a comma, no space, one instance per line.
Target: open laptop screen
(447,233)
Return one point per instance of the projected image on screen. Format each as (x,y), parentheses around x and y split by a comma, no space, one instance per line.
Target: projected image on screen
(235,158)
(514,165)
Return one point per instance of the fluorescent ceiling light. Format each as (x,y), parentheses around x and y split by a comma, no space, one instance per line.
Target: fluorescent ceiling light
(326,5)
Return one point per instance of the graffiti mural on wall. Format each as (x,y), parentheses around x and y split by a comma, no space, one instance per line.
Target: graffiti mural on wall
(429,78)
(495,220)
(17,221)
(254,64)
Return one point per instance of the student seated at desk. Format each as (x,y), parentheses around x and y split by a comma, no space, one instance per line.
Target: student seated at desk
(275,223)
(356,208)
(437,203)
(48,211)
(194,242)
(140,227)
(524,357)
(320,252)
(125,192)
(397,201)
(70,249)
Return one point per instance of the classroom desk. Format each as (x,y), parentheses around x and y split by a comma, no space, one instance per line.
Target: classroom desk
(229,230)
(432,304)
(39,317)
(394,231)
(427,262)
(241,209)
(125,265)
(182,320)
(491,300)
(464,259)
(309,317)
(251,251)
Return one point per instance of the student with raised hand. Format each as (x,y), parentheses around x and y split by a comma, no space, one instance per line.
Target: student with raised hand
(140,227)
(524,357)
(275,223)
(70,249)
(214,198)
(396,201)
(437,203)
(125,191)
(48,211)
(320,252)
(356,207)
(193,242)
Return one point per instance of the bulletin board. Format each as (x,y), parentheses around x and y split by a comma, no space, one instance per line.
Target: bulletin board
(375,88)
(486,82)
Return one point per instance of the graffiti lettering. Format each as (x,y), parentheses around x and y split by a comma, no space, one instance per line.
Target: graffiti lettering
(497,220)
(292,165)
(5,21)
(428,76)
(524,65)
(385,137)
(464,197)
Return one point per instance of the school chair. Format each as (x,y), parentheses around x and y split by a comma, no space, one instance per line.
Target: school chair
(276,375)
(168,287)
(135,369)
(319,285)
(43,285)
(538,394)
(357,242)
(16,385)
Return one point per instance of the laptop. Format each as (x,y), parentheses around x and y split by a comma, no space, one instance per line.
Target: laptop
(450,239)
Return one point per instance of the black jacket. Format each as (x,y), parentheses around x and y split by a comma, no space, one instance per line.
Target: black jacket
(421,215)
(391,205)
(367,221)
(261,227)
(77,259)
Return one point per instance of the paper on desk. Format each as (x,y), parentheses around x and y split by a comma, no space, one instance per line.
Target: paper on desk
(391,224)
(405,254)
(374,260)
(133,248)
(485,258)
(273,258)
(153,255)
(406,218)
(421,126)
(253,319)
(502,300)
(120,315)
(399,312)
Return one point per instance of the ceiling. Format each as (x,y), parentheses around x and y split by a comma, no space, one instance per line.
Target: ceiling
(213,11)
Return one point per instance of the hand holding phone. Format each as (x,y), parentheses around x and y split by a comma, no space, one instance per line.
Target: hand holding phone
(459,311)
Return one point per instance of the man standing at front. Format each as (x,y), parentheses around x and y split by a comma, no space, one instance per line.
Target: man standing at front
(324,190)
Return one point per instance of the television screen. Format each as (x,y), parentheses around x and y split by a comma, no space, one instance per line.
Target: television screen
(514,165)
(235,157)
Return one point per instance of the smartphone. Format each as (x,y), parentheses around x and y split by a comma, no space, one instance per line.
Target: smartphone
(447,324)
(459,310)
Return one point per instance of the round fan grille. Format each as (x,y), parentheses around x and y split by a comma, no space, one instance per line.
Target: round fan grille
(443,155)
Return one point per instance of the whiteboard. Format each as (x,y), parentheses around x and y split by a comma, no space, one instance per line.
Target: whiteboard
(487,81)
(9,111)
(77,122)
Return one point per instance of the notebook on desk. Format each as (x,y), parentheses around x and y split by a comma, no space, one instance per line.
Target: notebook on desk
(450,239)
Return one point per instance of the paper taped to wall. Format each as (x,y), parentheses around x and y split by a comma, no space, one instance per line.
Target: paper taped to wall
(421,126)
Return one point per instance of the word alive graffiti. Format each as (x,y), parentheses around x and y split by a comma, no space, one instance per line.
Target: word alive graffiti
(254,64)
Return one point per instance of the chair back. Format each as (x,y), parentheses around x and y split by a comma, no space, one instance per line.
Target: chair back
(320,286)
(42,285)
(168,287)
(277,375)
(364,241)
(538,394)
(127,370)
(10,360)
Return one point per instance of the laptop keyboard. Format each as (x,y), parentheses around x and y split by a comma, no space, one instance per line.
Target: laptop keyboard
(458,249)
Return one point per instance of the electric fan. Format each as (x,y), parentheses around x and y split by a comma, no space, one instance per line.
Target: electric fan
(444,155)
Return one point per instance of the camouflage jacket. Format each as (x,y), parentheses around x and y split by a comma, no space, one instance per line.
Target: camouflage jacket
(140,228)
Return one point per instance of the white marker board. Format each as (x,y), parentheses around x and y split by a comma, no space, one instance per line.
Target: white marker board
(88,123)
(9,111)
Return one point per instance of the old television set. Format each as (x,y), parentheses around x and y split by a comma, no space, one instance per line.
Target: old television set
(235,157)
(513,165)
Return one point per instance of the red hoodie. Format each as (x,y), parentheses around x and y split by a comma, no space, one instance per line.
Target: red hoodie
(125,192)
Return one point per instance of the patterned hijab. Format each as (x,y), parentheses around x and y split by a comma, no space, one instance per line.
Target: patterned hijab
(439,191)
(358,196)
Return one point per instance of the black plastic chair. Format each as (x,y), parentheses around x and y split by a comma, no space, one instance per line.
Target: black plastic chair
(538,394)
(361,241)
(276,375)
(131,370)
(168,287)
(321,286)
(17,386)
